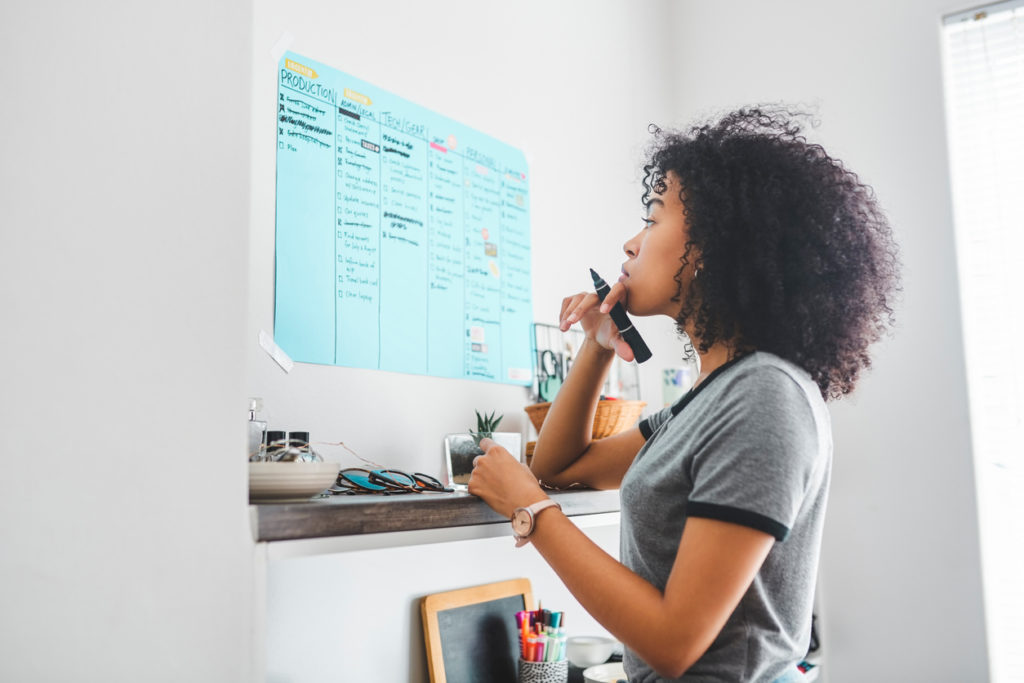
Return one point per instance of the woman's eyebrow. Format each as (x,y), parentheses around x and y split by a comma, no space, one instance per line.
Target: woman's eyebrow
(650,204)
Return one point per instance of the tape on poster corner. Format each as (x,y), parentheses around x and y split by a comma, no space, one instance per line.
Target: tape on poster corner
(276,352)
(281,46)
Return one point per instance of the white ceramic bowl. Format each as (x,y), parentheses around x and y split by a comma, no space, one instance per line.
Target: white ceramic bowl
(290,480)
(605,673)
(584,651)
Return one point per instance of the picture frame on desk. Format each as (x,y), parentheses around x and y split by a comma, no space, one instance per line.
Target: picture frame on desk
(460,449)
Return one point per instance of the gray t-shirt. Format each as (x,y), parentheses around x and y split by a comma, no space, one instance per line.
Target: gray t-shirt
(752,445)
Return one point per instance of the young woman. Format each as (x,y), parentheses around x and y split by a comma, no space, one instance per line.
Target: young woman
(778,266)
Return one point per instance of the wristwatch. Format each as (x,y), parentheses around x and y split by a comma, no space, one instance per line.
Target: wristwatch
(524,520)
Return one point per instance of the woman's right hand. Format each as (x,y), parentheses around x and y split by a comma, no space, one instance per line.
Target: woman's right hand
(592,315)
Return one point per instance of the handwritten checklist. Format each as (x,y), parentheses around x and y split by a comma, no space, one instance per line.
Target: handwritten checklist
(403,237)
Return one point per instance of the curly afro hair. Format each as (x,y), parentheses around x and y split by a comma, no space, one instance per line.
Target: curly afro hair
(796,256)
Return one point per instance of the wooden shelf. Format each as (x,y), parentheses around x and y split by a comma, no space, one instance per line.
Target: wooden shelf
(372,514)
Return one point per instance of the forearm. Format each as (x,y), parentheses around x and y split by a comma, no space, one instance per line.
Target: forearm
(566,431)
(632,609)
(669,629)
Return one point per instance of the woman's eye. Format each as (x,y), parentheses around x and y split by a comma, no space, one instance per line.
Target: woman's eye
(647,221)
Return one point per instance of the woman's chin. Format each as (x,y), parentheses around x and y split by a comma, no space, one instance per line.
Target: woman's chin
(638,311)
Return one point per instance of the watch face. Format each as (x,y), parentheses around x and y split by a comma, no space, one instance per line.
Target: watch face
(522,522)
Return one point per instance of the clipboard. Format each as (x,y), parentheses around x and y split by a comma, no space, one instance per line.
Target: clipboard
(470,633)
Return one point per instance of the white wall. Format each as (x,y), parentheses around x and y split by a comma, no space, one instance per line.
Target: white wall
(900,567)
(355,616)
(124,547)
(574,84)
(125,185)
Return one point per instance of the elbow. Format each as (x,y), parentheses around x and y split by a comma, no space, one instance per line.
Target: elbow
(671,667)
(540,472)
(672,661)
(675,643)
(538,469)
(541,469)
(555,468)
(550,475)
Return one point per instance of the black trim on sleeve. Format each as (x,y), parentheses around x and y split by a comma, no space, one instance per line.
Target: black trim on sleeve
(645,428)
(727,513)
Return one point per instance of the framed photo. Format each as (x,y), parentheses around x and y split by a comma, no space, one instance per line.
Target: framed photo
(460,449)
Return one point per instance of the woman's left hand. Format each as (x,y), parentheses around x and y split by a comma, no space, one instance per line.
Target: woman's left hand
(502,481)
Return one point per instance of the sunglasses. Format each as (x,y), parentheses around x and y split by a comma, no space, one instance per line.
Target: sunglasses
(355,480)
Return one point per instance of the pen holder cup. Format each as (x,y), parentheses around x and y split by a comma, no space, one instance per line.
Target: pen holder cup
(543,672)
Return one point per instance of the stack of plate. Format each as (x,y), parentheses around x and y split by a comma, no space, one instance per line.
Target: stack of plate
(282,481)
(605,673)
(584,651)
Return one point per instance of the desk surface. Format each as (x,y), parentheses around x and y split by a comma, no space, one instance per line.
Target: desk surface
(351,515)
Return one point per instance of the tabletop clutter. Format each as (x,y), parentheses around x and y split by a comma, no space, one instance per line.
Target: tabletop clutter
(545,652)
(542,647)
(541,635)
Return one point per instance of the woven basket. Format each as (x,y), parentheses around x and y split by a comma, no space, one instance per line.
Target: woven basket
(611,417)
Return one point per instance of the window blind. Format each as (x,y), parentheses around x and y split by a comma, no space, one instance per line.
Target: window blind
(983,51)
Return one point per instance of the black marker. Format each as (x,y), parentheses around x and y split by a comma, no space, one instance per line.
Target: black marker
(622,321)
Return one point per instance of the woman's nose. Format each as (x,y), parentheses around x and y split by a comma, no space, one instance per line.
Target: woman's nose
(632,245)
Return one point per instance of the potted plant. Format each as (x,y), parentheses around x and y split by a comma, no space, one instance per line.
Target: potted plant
(485,426)
(461,449)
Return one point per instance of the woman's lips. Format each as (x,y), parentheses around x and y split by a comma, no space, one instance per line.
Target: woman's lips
(624,276)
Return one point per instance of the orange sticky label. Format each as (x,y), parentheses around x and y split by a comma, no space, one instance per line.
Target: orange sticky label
(358,97)
(300,68)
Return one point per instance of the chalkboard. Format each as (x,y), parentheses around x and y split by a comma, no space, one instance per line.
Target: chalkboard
(470,634)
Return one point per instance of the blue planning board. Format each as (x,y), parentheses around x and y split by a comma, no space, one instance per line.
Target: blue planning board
(403,237)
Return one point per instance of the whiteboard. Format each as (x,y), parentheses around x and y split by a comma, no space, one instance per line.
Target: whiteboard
(402,237)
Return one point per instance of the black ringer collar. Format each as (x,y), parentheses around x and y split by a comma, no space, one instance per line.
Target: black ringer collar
(692,393)
(677,407)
